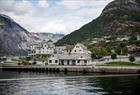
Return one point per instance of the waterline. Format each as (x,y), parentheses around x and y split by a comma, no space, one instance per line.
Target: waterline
(68,77)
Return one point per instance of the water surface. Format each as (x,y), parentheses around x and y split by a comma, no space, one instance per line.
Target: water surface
(27,83)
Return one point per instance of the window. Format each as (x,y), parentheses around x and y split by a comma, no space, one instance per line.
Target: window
(45,45)
(85,61)
(67,62)
(73,62)
(62,62)
(78,61)
(80,50)
(50,61)
(56,61)
(75,51)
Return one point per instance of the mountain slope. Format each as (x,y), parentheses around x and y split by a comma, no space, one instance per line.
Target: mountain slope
(13,38)
(120,17)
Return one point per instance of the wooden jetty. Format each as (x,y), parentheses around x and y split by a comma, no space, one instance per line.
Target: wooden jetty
(66,69)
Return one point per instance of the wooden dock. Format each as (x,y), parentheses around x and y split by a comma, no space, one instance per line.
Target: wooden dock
(66,69)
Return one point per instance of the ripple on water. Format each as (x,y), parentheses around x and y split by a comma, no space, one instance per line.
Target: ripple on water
(129,85)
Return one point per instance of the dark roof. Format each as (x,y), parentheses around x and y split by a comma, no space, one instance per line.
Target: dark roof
(69,47)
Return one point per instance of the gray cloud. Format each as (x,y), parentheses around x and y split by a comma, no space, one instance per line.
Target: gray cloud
(65,16)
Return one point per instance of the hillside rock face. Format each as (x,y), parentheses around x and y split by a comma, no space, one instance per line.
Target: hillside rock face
(13,38)
(120,17)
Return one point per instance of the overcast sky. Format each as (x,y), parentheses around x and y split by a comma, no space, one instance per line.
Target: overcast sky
(53,16)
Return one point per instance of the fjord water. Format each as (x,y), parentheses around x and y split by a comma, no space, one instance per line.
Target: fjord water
(27,83)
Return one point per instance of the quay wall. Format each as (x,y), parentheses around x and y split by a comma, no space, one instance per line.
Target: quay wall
(84,69)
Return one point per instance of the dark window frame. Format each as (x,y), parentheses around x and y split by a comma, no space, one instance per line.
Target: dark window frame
(50,61)
(78,61)
(85,61)
(56,61)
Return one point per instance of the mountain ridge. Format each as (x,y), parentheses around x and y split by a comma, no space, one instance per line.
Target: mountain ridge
(117,18)
(49,36)
(14,39)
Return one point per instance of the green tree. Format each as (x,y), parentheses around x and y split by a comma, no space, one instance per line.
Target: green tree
(24,62)
(96,56)
(121,49)
(125,50)
(122,45)
(99,52)
(118,50)
(131,58)
(132,40)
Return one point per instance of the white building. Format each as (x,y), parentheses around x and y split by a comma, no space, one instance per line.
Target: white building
(69,59)
(73,49)
(43,49)
(80,49)
(72,55)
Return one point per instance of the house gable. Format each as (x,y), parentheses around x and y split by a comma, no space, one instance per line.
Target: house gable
(79,48)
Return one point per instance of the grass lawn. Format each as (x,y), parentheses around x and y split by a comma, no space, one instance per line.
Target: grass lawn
(14,62)
(119,63)
(40,59)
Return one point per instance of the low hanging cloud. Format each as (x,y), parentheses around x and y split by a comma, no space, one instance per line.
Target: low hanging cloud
(62,16)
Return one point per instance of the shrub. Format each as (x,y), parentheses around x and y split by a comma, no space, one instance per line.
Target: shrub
(114,56)
(131,58)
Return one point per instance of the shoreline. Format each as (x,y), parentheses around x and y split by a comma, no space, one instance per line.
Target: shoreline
(66,69)
(68,77)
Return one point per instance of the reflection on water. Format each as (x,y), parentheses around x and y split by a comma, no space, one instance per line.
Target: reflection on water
(129,85)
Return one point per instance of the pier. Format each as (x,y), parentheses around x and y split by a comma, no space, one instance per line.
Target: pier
(66,69)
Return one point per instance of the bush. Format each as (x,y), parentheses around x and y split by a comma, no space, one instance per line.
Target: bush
(19,62)
(114,56)
(23,62)
(131,58)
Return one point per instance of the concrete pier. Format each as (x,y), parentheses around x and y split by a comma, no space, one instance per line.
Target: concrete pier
(66,69)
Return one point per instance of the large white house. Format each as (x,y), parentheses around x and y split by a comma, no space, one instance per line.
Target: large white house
(43,49)
(69,59)
(72,55)
(73,49)
(80,49)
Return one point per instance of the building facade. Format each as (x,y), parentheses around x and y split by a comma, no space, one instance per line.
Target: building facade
(80,49)
(41,50)
(69,59)
(72,55)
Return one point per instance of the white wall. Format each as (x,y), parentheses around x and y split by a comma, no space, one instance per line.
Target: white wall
(78,49)
(53,61)
(76,62)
